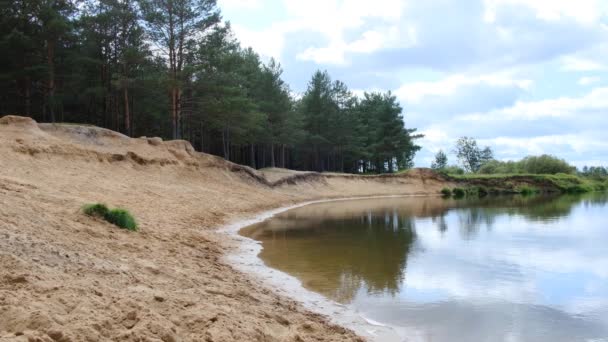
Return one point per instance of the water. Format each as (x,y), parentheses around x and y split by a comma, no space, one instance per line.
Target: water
(492,269)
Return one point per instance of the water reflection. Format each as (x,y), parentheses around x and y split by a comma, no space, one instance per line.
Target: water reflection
(491,269)
(367,249)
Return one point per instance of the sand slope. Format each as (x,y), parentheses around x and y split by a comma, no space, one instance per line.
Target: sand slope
(68,277)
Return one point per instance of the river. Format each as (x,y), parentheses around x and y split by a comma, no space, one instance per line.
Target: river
(490,269)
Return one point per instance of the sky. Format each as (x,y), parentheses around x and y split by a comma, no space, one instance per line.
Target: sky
(525,77)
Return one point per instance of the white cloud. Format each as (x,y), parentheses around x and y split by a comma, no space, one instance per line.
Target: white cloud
(564,107)
(584,11)
(416,91)
(588,80)
(571,63)
(267,42)
(368,42)
(332,19)
(239,4)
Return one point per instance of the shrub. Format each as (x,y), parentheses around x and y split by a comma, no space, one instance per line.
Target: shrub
(446,192)
(526,190)
(458,192)
(97,209)
(452,170)
(119,217)
(577,189)
(122,218)
(546,164)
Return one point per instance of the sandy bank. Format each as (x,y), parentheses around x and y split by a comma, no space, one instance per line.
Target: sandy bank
(68,277)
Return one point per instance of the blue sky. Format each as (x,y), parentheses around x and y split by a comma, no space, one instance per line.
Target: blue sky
(522,76)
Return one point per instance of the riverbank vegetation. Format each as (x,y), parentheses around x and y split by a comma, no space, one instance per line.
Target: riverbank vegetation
(533,174)
(175,70)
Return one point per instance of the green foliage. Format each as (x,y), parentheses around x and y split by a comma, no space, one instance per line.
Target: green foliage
(470,155)
(459,192)
(565,183)
(595,172)
(526,190)
(345,133)
(97,209)
(119,217)
(452,170)
(441,161)
(544,164)
(446,192)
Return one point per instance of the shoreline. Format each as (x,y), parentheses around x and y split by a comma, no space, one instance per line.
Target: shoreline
(245,259)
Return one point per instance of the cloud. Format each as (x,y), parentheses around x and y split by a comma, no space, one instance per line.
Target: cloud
(584,11)
(239,4)
(569,127)
(588,80)
(572,63)
(417,91)
(369,42)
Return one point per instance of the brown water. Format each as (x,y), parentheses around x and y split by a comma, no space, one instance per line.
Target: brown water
(493,269)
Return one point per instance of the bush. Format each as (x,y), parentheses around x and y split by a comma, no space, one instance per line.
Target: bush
(545,164)
(122,218)
(526,190)
(97,209)
(481,191)
(452,170)
(119,217)
(459,192)
(446,192)
(577,189)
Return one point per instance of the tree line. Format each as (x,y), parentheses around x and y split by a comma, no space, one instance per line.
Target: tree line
(174,69)
(474,159)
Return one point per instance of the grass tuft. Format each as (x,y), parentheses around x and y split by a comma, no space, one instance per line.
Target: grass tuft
(119,217)
(446,192)
(97,209)
(122,218)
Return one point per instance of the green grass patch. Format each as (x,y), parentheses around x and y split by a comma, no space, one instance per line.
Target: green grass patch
(118,217)
(122,218)
(97,209)
(446,192)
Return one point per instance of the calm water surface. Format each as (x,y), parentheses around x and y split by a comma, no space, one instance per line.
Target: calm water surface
(493,269)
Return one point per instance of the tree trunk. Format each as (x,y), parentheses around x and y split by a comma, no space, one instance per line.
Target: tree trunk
(174,112)
(252,156)
(51,66)
(178,114)
(224,144)
(283,156)
(272,161)
(202,138)
(28,94)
